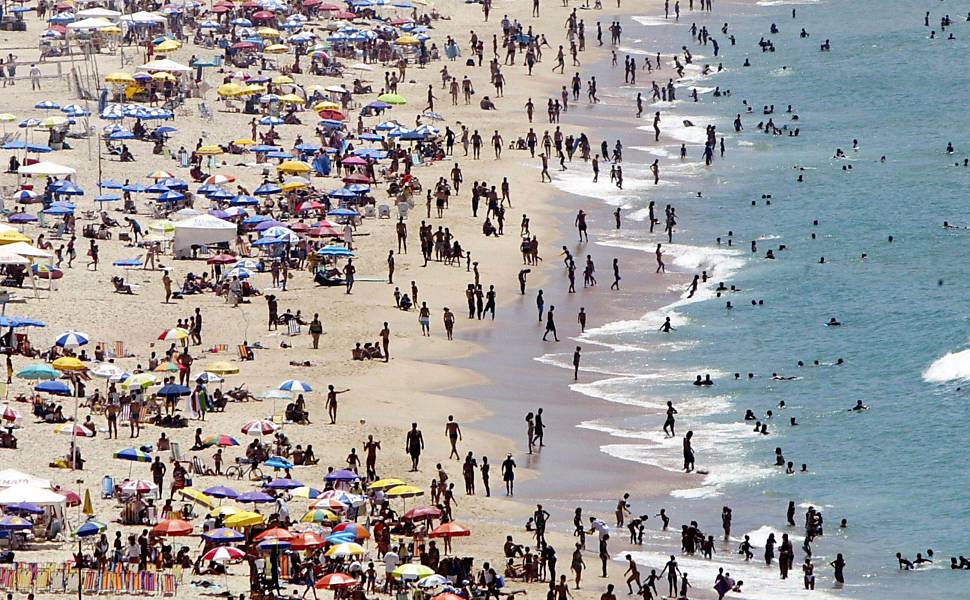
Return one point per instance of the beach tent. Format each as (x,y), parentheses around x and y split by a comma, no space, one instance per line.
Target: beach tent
(144,17)
(99,12)
(202,230)
(13,477)
(166,65)
(32,494)
(91,23)
(46,168)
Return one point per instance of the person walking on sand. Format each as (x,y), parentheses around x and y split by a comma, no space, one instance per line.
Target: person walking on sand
(453,432)
(332,402)
(550,325)
(413,445)
(316,330)
(390,266)
(93,255)
(661,267)
(449,320)
(616,275)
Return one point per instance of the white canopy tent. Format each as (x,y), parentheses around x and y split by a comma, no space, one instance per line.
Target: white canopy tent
(46,168)
(90,23)
(34,495)
(13,477)
(164,64)
(99,12)
(144,17)
(203,230)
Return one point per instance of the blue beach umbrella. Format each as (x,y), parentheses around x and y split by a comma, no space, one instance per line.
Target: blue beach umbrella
(53,387)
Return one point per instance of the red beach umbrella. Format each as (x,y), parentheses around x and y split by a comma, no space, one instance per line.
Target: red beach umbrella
(450,530)
(334,581)
(172,527)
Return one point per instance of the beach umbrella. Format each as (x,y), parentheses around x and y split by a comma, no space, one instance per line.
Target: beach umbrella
(176,333)
(341,538)
(305,492)
(259,427)
(266,189)
(334,581)
(221,440)
(208,378)
(138,486)
(14,523)
(38,372)
(278,462)
(319,515)
(89,528)
(433,581)
(411,572)
(24,196)
(295,386)
(255,497)
(211,150)
(347,550)
(72,339)
(337,251)
(173,390)
(423,513)
(306,540)
(47,105)
(283,484)
(108,371)
(55,388)
(342,475)
(273,545)
(68,363)
(243,200)
(355,529)
(224,535)
(393,99)
(221,491)
(172,527)
(404,491)
(24,508)
(8,414)
(276,533)
(219,179)
(243,519)
(197,497)
(161,174)
(224,554)
(139,380)
(222,368)
(449,530)
(221,259)
(133,454)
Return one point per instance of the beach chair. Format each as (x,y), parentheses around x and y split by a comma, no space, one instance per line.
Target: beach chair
(197,467)
(369,211)
(119,349)
(107,486)
(384,211)
(204,112)
(402,209)
(244,352)
(176,452)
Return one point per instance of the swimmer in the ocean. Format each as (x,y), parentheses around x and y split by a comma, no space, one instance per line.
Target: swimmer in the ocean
(667,327)
(859,407)
(833,322)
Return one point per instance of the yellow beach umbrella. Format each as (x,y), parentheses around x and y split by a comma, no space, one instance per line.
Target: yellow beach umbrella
(167,46)
(267,32)
(222,368)
(292,99)
(111,30)
(139,380)
(119,77)
(229,89)
(7,118)
(292,185)
(163,76)
(345,550)
(88,507)
(327,105)
(404,491)
(276,49)
(197,497)
(282,80)
(384,484)
(243,519)
(253,88)
(55,121)
(244,142)
(407,40)
(163,227)
(68,363)
(293,166)
(12,236)
(211,150)
(319,515)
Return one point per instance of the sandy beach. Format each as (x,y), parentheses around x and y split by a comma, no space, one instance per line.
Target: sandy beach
(487,377)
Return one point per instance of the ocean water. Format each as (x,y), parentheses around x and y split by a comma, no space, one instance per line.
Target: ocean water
(897,471)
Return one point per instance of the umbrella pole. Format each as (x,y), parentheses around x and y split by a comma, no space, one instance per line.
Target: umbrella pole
(74,455)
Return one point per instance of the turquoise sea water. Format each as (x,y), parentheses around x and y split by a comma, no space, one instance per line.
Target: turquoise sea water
(896,472)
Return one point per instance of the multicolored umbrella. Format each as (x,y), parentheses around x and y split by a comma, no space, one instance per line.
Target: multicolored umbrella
(74,430)
(133,454)
(221,440)
(224,554)
(224,535)
(259,427)
(333,581)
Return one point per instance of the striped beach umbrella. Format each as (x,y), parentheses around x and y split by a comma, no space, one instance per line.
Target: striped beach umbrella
(296,386)
(133,454)
(224,554)
(224,535)
(72,339)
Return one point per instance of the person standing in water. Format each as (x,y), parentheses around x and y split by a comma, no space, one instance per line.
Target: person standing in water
(669,422)
(576,357)
(688,452)
(550,325)
(661,267)
(616,275)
